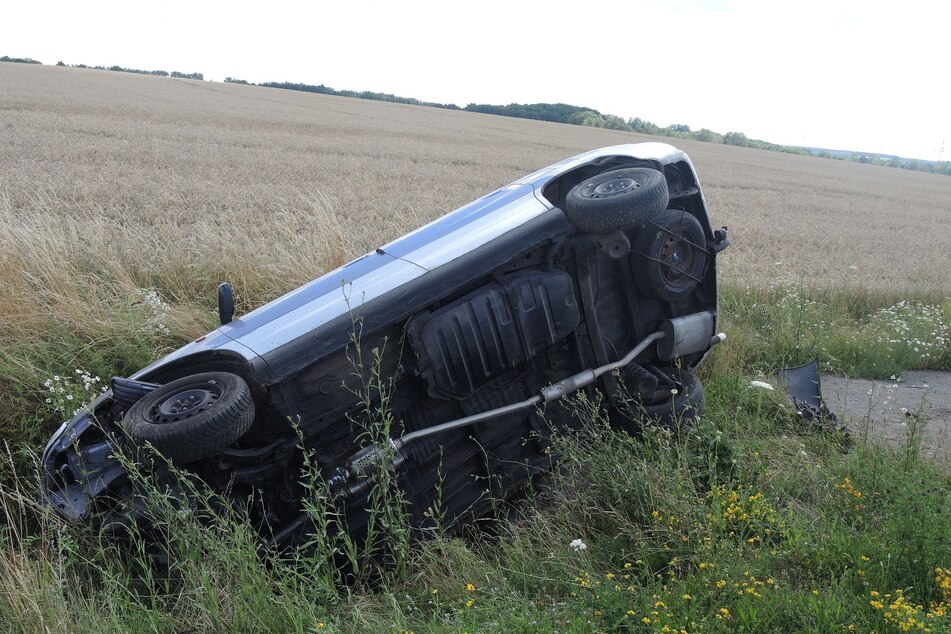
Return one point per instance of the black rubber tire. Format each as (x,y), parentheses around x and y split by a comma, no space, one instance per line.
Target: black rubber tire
(670,255)
(682,408)
(617,199)
(193,417)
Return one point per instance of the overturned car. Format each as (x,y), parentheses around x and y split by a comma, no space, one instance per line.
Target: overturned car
(593,273)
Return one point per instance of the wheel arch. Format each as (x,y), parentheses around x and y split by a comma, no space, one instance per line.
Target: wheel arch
(556,190)
(254,373)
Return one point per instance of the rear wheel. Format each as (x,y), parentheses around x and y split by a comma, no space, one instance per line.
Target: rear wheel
(193,417)
(617,199)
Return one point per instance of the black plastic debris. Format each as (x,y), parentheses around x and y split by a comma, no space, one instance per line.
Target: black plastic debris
(805,391)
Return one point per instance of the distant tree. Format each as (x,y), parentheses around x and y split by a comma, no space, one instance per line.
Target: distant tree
(324,90)
(558,112)
(19,60)
(60,63)
(736,138)
(232,80)
(708,136)
(614,122)
(588,118)
(198,76)
(639,125)
(679,127)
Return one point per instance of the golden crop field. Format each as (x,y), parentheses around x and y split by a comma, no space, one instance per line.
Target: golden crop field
(111,182)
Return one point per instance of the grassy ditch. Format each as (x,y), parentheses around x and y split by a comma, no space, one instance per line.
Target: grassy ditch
(751,520)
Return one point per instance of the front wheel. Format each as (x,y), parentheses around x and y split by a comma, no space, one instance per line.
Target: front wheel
(193,417)
(673,404)
(671,255)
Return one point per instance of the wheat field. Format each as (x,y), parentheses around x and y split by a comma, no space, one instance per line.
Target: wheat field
(113,183)
(163,178)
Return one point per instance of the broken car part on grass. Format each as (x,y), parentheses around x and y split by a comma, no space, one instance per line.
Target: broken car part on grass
(592,272)
(804,389)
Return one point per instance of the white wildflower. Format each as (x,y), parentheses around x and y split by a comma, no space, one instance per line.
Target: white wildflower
(761,384)
(578,545)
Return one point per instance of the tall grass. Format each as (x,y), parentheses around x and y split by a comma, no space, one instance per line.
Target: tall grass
(103,300)
(855,333)
(749,520)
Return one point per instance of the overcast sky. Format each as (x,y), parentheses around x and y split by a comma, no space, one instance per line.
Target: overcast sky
(854,75)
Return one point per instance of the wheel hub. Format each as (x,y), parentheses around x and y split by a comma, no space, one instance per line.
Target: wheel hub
(673,253)
(613,187)
(184,405)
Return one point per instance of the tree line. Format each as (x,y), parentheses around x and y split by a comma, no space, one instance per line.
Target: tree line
(364,94)
(580,115)
(560,113)
(159,73)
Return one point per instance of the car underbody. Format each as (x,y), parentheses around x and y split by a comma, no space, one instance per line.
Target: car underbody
(447,370)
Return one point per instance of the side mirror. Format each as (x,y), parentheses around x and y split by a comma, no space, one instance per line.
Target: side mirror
(225,303)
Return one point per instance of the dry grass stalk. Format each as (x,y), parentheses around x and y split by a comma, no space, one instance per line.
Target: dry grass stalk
(111,184)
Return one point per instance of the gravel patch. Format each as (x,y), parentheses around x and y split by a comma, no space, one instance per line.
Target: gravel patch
(894,410)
